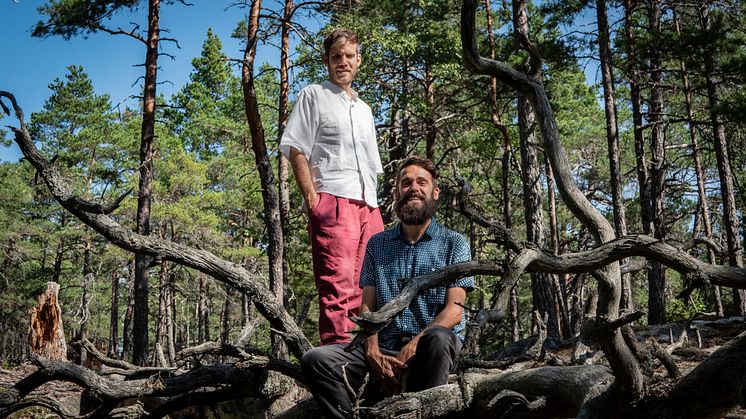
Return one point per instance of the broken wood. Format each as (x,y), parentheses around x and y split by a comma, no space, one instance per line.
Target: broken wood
(46,332)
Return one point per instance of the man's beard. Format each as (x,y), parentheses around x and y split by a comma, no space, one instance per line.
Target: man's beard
(411,214)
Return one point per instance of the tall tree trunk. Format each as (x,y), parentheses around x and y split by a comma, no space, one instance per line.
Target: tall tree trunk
(269,190)
(163,300)
(431,133)
(114,319)
(612,137)
(59,254)
(559,282)
(203,310)
(145,189)
(703,205)
(657,274)
(225,316)
(171,317)
(398,144)
(129,314)
(282,163)
(505,172)
(730,215)
(541,290)
(85,298)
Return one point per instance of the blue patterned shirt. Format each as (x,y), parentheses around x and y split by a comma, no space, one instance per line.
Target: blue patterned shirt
(390,260)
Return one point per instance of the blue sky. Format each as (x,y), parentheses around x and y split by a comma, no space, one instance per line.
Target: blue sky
(29,64)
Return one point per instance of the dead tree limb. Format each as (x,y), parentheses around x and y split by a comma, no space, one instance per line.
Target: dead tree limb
(204,261)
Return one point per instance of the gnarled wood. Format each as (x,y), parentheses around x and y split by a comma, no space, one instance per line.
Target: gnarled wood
(204,261)
(46,332)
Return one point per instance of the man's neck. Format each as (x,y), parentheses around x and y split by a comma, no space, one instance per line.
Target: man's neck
(413,232)
(346,88)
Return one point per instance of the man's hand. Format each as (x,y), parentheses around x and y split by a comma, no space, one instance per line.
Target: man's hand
(305,181)
(383,366)
(386,369)
(309,202)
(407,351)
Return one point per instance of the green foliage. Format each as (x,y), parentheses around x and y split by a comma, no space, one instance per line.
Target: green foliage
(677,310)
(69,18)
(207,193)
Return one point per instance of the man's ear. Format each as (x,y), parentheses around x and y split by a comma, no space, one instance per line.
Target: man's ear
(325,59)
(436,193)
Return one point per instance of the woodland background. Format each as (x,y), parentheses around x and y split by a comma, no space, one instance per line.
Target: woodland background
(657,145)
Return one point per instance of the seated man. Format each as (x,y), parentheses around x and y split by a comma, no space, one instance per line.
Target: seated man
(418,349)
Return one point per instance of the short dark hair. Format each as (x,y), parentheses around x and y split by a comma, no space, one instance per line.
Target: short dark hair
(426,164)
(337,35)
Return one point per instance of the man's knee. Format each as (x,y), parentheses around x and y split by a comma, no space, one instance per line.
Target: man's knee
(311,360)
(438,337)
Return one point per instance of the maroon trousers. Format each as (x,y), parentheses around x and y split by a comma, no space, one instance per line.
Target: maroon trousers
(339,229)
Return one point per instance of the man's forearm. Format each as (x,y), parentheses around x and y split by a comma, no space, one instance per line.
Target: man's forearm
(302,172)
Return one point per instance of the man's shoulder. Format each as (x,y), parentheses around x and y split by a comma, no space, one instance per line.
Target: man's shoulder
(446,233)
(384,236)
(311,89)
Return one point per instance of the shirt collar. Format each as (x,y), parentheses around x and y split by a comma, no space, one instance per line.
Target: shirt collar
(338,90)
(427,235)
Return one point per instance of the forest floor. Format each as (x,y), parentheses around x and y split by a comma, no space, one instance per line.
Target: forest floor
(703,337)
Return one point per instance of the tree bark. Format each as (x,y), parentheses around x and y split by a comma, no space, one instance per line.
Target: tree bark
(114,319)
(129,314)
(624,365)
(612,136)
(85,297)
(541,290)
(283,172)
(703,205)
(145,185)
(656,274)
(730,214)
(269,190)
(431,132)
(46,332)
(203,310)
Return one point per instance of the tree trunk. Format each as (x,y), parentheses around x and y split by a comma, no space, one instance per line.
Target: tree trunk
(431,133)
(203,311)
(730,214)
(145,188)
(59,254)
(171,310)
(559,285)
(612,136)
(128,315)
(163,301)
(269,190)
(282,163)
(85,298)
(114,319)
(225,316)
(656,275)
(703,205)
(46,332)
(541,290)
(643,177)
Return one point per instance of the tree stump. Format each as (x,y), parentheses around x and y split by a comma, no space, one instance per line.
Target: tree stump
(46,334)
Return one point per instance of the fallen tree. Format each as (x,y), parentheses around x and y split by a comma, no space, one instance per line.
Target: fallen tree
(124,390)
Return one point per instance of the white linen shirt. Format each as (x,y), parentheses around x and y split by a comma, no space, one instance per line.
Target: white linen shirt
(337,135)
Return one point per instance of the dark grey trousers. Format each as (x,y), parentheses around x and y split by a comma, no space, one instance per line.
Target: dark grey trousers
(325,367)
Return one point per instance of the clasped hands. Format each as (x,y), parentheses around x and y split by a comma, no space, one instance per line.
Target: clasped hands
(391,371)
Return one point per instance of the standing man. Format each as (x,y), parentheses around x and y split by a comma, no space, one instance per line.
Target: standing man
(418,349)
(330,140)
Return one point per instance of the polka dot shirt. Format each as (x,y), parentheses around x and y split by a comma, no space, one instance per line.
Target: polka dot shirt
(390,261)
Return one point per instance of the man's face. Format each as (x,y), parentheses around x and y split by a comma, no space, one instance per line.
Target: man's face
(342,63)
(416,196)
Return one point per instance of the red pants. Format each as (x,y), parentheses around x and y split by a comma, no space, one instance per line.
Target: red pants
(339,230)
